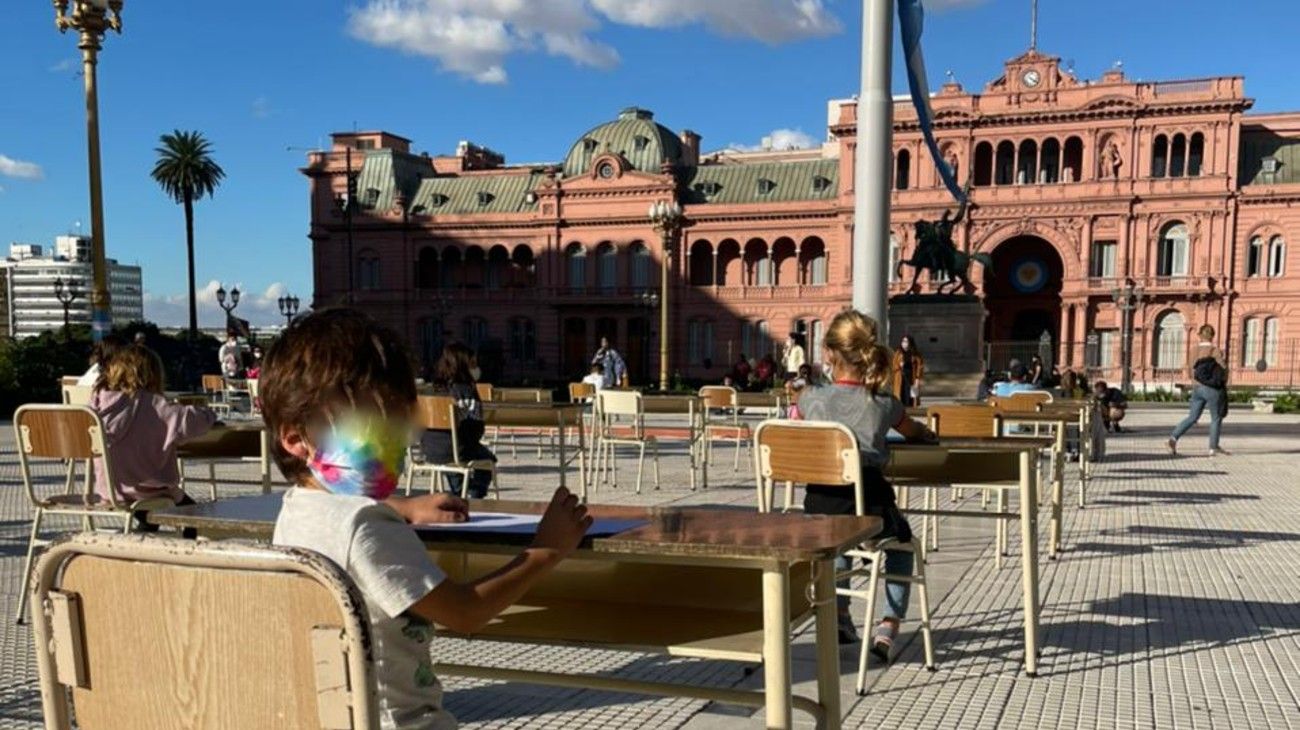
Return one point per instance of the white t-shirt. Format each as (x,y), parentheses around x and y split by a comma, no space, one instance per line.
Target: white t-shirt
(594,379)
(389,564)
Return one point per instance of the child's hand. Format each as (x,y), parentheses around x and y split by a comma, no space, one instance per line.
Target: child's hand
(562,526)
(430,508)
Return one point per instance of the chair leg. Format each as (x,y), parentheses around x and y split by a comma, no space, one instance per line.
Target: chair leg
(932,502)
(612,465)
(70,481)
(789,496)
(212,480)
(1001,534)
(409,476)
(654,452)
(873,586)
(27,565)
(736,466)
(640,467)
(923,589)
(984,500)
(464,483)
(496,485)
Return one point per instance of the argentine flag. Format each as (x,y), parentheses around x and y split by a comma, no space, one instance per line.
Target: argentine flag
(911,18)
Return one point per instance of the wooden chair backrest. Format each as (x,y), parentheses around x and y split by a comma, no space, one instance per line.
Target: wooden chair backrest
(978,421)
(718,396)
(486,392)
(214,383)
(620,402)
(436,412)
(161,632)
(581,392)
(1025,401)
(58,432)
(807,452)
(69,380)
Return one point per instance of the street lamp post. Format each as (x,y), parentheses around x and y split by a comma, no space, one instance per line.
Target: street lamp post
(288,308)
(67,294)
(1127,298)
(92,19)
(649,299)
(666,218)
(234,302)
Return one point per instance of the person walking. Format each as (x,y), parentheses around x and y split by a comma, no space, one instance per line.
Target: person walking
(908,369)
(615,373)
(1211,393)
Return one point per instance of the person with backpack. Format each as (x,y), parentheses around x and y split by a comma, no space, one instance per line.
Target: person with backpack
(1211,392)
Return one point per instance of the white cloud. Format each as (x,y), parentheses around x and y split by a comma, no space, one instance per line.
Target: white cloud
(474,38)
(772,21)
(261,108)
(174,309)
(779,139)
(9,167)
(65,65)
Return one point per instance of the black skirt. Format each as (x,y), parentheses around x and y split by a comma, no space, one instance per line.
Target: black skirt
(877,501)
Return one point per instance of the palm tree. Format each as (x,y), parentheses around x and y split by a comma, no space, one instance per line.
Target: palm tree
(186,172)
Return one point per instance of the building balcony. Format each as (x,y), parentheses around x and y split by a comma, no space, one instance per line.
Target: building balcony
(780,293)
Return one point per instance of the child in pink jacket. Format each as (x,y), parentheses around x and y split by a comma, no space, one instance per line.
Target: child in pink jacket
(142,429)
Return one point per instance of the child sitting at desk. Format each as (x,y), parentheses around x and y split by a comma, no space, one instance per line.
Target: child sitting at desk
(142,429)
(338,395)
(859,398)
(456,375)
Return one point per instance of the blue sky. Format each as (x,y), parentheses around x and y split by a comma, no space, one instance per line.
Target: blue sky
(525,77)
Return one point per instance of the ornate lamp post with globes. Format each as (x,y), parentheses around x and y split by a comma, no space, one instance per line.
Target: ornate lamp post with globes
(666,218)
(234,302)
(288,308)
(1127,298)
(92,19)
(67,294)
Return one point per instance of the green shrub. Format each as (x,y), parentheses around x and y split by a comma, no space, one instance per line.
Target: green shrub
(1287,403)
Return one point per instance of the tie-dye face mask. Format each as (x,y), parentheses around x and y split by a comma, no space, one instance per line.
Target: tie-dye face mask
(361,455)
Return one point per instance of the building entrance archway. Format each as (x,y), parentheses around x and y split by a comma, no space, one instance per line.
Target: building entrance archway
(1022,292)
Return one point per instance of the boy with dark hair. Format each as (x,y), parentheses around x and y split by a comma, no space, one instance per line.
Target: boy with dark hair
(338,392)
(1112,403)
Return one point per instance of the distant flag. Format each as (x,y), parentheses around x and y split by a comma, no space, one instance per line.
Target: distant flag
(911,17)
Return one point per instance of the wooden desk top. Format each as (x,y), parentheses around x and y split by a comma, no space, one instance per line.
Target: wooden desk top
(228,440)
(720,533)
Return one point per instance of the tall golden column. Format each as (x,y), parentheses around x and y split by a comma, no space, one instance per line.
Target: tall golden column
(92,19)
(666,217)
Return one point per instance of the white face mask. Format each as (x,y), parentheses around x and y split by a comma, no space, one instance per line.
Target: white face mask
(475,373)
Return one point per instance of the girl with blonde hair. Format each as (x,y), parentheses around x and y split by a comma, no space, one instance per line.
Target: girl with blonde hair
(859,396)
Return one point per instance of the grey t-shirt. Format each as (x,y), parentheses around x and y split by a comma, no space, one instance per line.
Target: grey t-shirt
(388,563)
(868,416)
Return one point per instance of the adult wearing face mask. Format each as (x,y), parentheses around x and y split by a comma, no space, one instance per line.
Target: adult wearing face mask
(456,375)
(231,355)
(909,368)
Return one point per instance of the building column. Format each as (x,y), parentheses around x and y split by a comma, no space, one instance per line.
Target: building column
(1081,332)
(1064,337)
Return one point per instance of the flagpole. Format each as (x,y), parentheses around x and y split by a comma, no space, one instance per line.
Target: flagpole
(871,165)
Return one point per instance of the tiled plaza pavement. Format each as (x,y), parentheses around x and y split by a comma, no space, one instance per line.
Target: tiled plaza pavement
(1175,605)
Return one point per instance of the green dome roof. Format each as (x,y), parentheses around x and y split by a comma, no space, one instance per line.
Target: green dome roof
(635,135)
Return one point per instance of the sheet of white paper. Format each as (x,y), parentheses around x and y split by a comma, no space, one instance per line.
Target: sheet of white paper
(495,522)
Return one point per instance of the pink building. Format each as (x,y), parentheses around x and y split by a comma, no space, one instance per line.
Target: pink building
(1080,186)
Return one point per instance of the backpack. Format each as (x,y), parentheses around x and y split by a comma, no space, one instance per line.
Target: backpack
(1208,372)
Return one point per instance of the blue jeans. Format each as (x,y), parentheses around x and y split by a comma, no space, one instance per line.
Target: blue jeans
(1204,397)
(897,594)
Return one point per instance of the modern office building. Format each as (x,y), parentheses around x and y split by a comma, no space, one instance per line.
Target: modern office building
(30,281)
(1083,190)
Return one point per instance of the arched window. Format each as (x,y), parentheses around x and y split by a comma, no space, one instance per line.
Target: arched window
(450,268)
(1171,258)
(1049,168)
(813,251)
(895,255)
(1276,257)
(426,268)
(523,267)
(430,338)
(701,263)
(1195,154)
(576,259)
(1027,166)
(607,267)
(902,169)
(367,270)
(523,340)
(1250,343)
(475,332)
(730,264)
(1159,156)
(983,164)
(699,341)
(498,266)
(758,262)
(1004,168)
(785,266)
(1270,341)
(474,274)
(1072,160)
(1178,156)
(754,339)
(816,332)
(1170,346)
(641,265)
(1255,257)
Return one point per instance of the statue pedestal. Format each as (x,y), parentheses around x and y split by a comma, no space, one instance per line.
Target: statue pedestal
(948,330)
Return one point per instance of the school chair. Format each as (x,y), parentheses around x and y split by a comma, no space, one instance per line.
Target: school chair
(824,452)
(438,413)
(68,433)
(137,631)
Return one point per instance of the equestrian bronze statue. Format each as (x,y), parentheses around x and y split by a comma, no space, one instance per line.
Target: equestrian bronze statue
(935,252)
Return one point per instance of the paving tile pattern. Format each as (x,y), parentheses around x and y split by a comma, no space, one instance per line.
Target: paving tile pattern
(1175,605)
